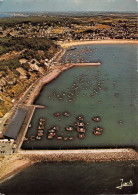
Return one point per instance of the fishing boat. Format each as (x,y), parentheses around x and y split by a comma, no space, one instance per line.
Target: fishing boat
(50,137)
(40,134)
(71,138)
(40,127)
(57,114)
(81,136)
(80,124)
(52,134)
(40,131)
(65,138)
(56,128)
(81,130)
(125,184)
(98,128)
(70,128)
(38,137)
(42,119)
(97,132)
(67,114)
(51,131)
(96,119)
(59,138)
(80,118)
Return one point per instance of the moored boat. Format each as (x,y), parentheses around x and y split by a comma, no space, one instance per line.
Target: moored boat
(59,137)
(52,134)
(65,138)
(40,127)
(97,132)
(40,131)
(80,118)
(38,137)
(71,138)
(81,136)
(98,128)
(67,114)
(42,119)
(50,137)
(40,134)
(51,131)
(57,114)
(56,128)
(81,130)
(80,124)
(70,128)
(96,119)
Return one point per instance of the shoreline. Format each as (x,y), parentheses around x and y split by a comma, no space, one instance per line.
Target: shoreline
(53,75)
(26,158)
(12,166)
(92,42)
(88,155)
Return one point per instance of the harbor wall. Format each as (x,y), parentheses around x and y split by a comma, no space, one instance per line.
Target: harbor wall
(93,155)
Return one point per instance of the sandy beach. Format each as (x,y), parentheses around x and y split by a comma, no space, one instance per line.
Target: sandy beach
(11,165)
(116,41)
(57,70)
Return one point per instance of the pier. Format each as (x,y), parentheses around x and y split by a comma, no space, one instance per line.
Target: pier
(84,64)
(88,155)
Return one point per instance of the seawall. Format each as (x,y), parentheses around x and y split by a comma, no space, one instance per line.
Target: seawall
(93,155)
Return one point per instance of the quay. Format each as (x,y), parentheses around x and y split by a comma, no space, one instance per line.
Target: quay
(84,64)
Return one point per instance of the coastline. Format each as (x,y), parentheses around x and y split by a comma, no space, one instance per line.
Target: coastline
(12,166)
(26,158)
(53,75)
(113,41)
(57,70)
(87,155)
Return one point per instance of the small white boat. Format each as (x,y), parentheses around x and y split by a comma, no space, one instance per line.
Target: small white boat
(125,184)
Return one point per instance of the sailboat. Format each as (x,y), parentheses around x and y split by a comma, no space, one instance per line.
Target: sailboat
(124,184)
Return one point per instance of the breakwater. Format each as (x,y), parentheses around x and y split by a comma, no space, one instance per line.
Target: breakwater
(94,155)
(25,158)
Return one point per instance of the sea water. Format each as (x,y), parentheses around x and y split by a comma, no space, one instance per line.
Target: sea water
(73,178)
(77,92)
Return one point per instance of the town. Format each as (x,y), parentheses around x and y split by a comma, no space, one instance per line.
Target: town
(67,28)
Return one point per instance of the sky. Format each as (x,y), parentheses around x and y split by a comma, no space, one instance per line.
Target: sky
(68,5)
